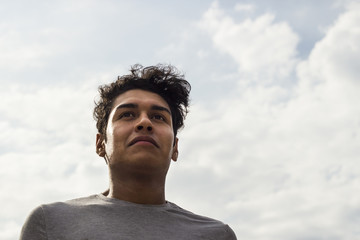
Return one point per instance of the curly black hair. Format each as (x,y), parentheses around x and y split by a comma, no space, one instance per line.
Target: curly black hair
(164,80)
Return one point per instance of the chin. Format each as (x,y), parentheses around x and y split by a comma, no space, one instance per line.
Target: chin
(141,161)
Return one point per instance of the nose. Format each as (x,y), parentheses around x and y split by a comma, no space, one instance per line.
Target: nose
(144,123)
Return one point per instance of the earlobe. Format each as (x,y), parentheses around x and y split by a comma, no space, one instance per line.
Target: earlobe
(175,156)
(100,147)
(175,152)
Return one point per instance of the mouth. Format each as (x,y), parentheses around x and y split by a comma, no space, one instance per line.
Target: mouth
(144,139)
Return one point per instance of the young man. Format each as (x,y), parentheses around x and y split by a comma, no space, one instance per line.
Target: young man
(138,117)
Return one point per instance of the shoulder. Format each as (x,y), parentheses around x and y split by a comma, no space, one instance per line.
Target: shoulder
(35,225)
(73,202)
(69,205)
(211,227)
(44,211)
(42,218)
(191,215)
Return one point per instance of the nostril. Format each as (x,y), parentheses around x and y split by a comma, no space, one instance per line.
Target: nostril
(149,128)
(139,127)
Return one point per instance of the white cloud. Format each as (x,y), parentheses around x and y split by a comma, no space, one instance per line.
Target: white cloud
(244,7)
(17,52)
(262,48)
(274,160)
(9,230)
(288,157)
(47,150)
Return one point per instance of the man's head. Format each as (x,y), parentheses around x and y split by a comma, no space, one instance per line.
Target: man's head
(164,80)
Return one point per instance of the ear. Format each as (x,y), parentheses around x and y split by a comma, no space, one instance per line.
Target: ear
(100,145)
(175,152)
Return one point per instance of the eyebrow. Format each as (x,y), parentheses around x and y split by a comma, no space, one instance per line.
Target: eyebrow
(133,105)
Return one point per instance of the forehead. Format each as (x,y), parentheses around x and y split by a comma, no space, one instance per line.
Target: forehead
(141,98)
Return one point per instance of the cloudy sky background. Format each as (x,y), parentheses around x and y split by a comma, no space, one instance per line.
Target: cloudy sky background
(271,145)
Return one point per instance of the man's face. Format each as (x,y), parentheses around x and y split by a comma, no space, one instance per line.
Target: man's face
(139,133)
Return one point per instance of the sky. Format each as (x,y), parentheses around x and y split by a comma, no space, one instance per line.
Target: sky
(271,144)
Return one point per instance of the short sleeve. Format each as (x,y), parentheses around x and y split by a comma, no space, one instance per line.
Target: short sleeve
(230,233)
(34,227)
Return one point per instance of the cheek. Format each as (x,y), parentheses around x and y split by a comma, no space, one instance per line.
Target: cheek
(168,137)
(116,137)
(120,131)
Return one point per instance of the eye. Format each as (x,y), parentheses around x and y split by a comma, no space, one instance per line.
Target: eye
(158,117)
(127,115)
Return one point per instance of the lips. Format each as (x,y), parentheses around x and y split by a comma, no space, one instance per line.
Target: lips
(144,139)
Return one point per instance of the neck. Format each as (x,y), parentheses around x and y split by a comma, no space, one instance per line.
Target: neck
(141,189)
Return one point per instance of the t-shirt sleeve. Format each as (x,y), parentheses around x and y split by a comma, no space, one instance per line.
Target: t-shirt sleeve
(34,226)
(230,234)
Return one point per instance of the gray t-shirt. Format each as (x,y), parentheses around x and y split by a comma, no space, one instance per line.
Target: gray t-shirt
(97,217)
